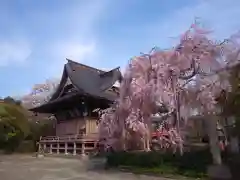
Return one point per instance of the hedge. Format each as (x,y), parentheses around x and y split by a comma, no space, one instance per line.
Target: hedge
(190,163)
(27,146)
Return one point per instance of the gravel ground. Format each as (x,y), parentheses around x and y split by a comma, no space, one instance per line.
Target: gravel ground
(26,167)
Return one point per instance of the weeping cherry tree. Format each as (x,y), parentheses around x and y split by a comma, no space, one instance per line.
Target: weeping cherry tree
(188,76)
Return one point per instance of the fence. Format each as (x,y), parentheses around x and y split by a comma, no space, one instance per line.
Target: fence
(68,145)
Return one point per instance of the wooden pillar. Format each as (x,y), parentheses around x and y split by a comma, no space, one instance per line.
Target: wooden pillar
(66,148)
(83,148)
(58,148)
(51,146)
(39,147)
(74,148)
(44,147)
(85,114)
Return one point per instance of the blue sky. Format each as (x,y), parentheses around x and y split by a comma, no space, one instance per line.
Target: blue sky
(37,35)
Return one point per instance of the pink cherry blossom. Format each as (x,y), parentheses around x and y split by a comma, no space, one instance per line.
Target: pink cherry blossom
(40,93)
(189,75)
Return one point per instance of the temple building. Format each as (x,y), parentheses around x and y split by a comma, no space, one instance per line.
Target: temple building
(81,90)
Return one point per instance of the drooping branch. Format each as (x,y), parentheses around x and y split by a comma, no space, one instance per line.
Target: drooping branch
(148,82)
(194,69)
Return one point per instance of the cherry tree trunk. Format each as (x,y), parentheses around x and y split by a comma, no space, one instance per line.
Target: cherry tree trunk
(213,140)
(234,144)
(234,141)
(148,139)
(123,139)
(217,171)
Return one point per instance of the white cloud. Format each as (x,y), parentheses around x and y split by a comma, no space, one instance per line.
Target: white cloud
(75,51)
(71,33)
(79,42)
(14,52)
(217,15)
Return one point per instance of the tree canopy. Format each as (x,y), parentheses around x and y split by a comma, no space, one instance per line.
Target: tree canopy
(190,75)
(40,93)
(13,124)
(230,101)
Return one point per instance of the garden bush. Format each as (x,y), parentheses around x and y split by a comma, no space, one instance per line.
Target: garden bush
(14,126)
(27,146)
(14,139)
(190,163)
(40,128)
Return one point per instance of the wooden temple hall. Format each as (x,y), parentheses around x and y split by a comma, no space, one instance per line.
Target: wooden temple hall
(81,90)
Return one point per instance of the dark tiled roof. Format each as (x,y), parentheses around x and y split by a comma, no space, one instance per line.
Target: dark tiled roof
(92,81)
(87,80)
(53,105)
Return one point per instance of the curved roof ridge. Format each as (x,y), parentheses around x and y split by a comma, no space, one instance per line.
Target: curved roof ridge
(84,65)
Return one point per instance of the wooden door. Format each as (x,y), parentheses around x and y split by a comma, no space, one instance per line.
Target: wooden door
(91,125)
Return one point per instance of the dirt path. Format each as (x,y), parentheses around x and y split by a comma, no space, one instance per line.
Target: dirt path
(23,167)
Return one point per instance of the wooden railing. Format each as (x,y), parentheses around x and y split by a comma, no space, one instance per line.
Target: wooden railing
(72,144)
(77,137)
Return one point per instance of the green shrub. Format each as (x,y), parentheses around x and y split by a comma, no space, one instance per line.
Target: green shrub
(189,164)
(13,140)
(13,115)
(26,146)
(42,128)
(233,162)
(14,126)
